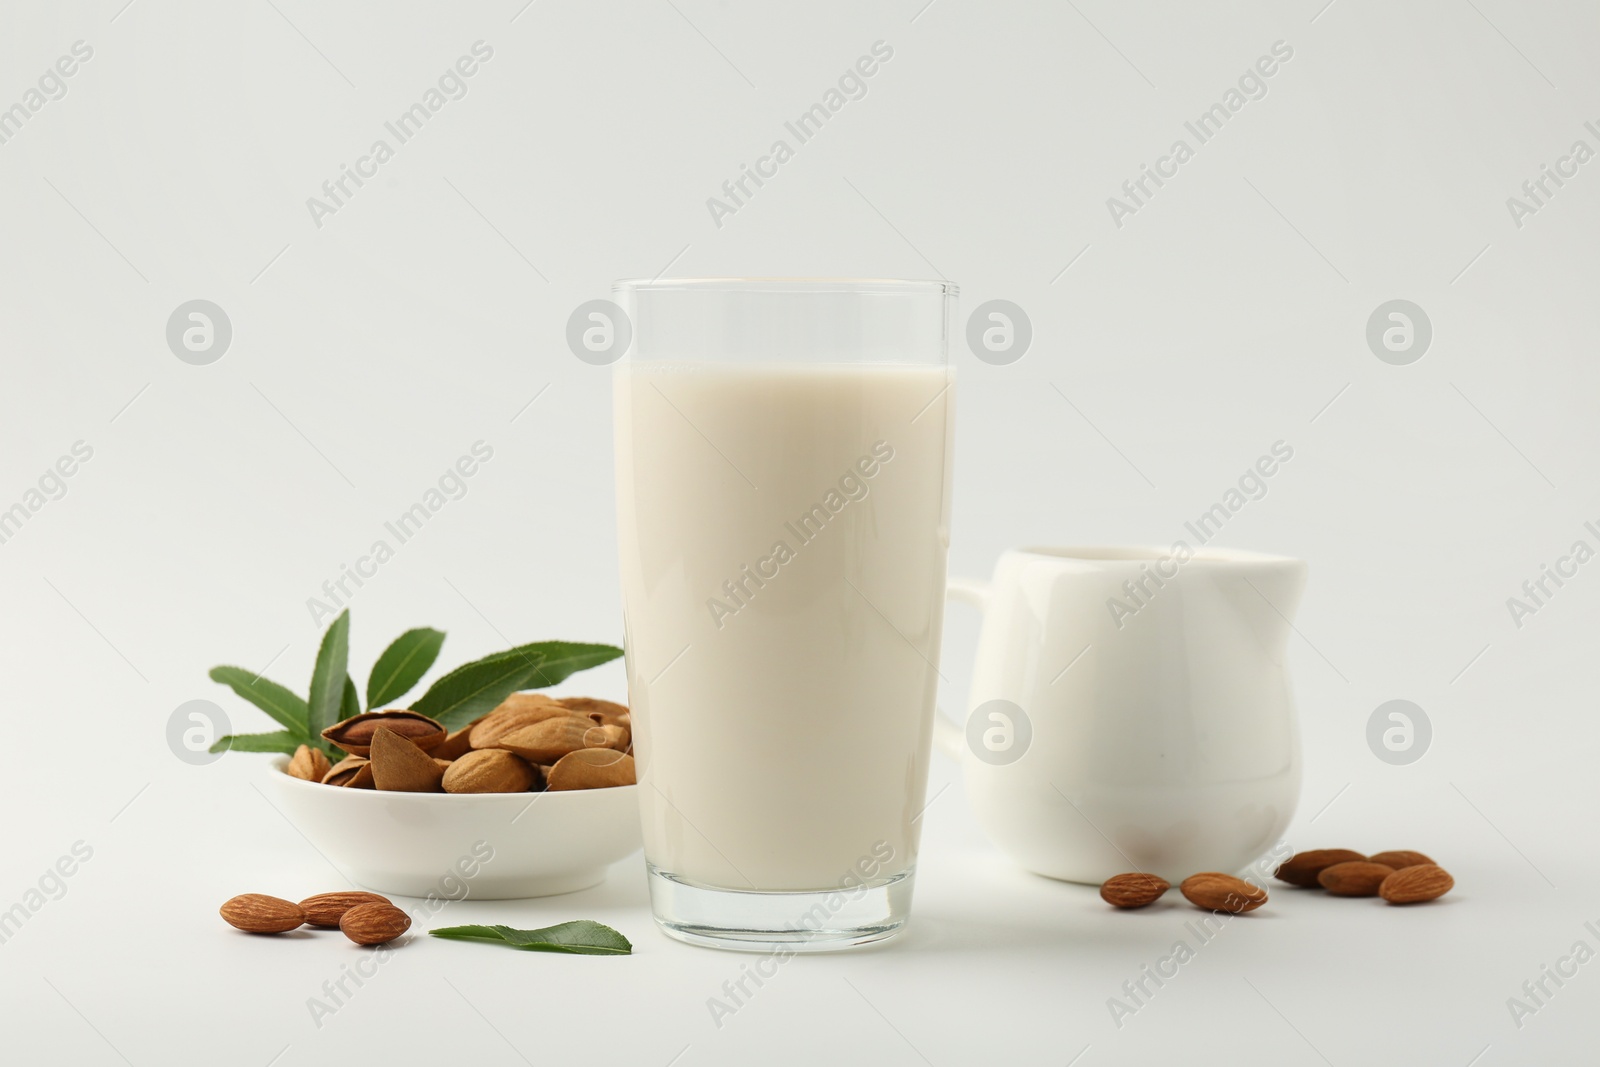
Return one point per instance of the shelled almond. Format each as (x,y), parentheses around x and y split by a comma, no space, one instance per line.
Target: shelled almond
(257,913)
(1416,884)
(1399,877)
(1358,878)
(365,918)
(1215,891)
(1134,890)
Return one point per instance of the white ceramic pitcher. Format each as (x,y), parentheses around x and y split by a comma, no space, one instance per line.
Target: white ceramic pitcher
(1131,709)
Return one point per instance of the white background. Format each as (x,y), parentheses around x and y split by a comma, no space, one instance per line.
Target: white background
(369,353)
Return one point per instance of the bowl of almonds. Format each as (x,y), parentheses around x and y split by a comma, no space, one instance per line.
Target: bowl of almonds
(544,787)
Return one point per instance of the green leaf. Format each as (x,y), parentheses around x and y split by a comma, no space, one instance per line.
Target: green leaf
(565,658)
(476,688)
(583,937)
(351,703)
(270,697)
(278,741)
(327,677)
(402,665)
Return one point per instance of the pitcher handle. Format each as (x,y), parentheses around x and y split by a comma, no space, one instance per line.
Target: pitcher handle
(948,732)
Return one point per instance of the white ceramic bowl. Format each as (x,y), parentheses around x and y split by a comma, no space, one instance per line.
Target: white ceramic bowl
(500,845)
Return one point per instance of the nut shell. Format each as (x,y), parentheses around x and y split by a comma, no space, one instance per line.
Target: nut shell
(374,924)
(1215,891)
(1133,890)
(354,734)
(400,766)
(257,913)
(352,772)
(454,746)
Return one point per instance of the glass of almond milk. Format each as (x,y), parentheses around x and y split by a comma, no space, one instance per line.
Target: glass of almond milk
(783,494)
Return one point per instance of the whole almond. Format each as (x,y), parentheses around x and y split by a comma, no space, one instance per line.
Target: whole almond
(374,923)
(400,766)
(1133,890)
(513,713)
(257,913)
(591,768)
(489,770)
(1302,868)
(548,741)
(352,772)
(354,734)
(1358,878)
(326,909)
(1215,891)
(1415,884)
(308,764)
(603,712)
(1401,859)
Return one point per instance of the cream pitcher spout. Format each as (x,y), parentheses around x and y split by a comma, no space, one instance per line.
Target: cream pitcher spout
(1263,591)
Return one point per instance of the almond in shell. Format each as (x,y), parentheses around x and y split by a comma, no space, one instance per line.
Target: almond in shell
(513,713)
(309,764)
(591,768)
(354,734)
(603,712)
(607,736)
(549,740)
(489,770)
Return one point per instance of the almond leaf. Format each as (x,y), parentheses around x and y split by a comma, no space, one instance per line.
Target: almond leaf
(583,937)
(476,688)
(278,741)
(402,665)
(272,698)
(561,659)
(327,677)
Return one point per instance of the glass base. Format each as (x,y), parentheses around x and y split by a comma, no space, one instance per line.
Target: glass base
(823,920)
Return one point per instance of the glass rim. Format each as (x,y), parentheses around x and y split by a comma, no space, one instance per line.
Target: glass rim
(807,286)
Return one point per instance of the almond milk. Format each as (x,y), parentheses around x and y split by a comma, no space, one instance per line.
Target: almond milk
(783,532)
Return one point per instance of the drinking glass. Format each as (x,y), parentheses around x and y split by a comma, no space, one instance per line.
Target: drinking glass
(783,494)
